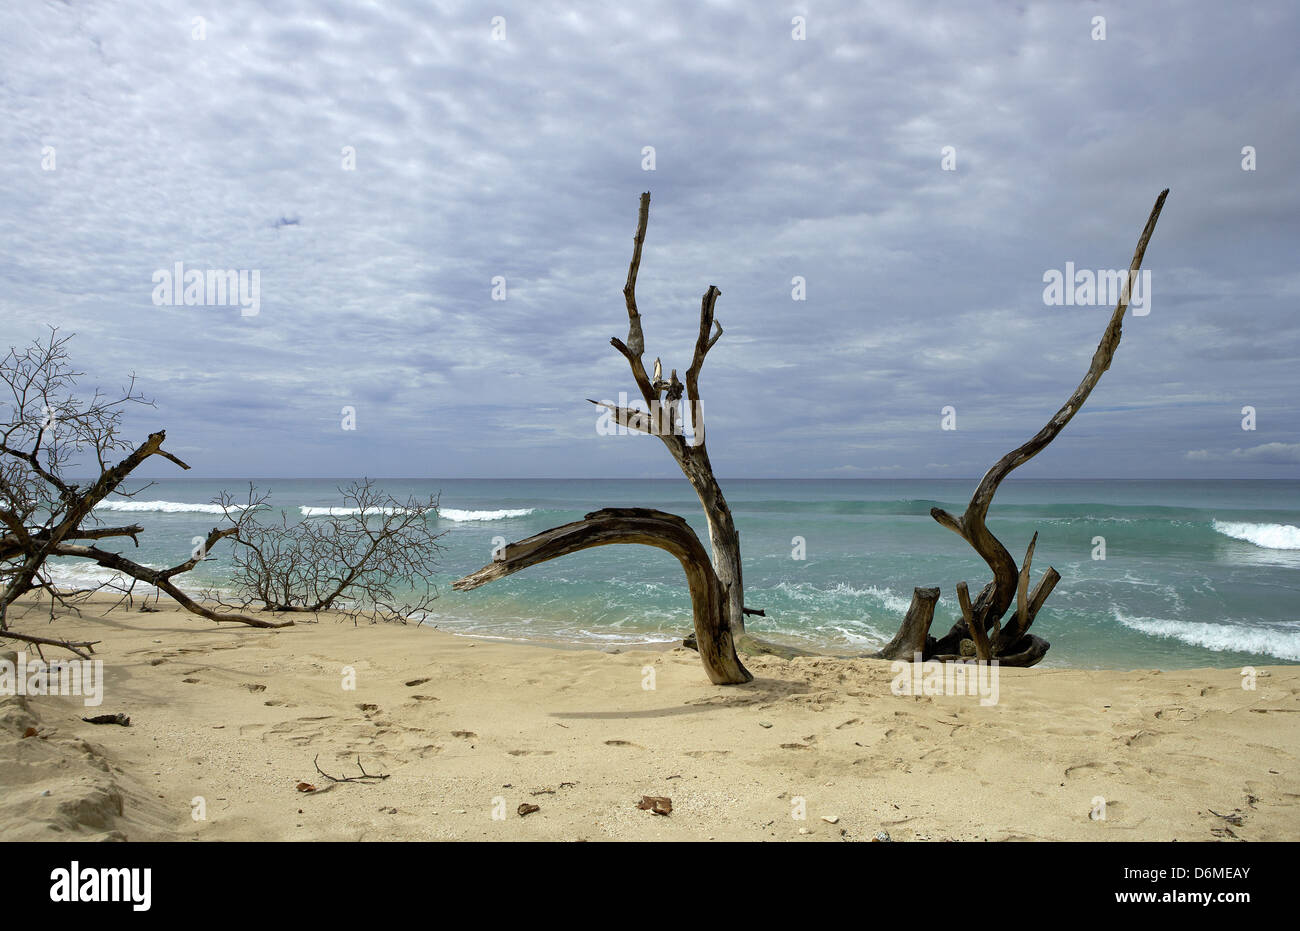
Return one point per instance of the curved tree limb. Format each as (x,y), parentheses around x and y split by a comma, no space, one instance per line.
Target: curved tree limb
(162,580)
(971,527)
(652,528)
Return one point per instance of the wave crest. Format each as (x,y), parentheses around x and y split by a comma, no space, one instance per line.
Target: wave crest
(1268,536)
(457,515)
(1222,638)
(162,507)
(312,511)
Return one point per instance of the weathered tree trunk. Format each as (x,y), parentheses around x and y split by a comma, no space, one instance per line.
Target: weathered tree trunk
(913,635)
(1012,645)
(693,458)
(724,538)
(652,528)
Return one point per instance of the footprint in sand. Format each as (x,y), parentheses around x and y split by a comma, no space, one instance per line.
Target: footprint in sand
(254,686)
(466,734)
(1091,769)
(620,743)
(425,697)
(414,682)
(190,681)
(530,752)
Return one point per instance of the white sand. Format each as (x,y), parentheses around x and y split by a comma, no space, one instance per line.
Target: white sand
(465,729)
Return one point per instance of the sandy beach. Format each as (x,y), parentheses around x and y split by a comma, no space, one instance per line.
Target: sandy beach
(226,723)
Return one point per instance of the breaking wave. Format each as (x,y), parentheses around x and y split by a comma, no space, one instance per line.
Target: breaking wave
(1268,536)
(1231,638)
(453,514)
(162,507)
(310,511)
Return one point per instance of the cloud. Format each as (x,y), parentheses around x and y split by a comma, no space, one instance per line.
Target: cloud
(521,159)
(1273,453)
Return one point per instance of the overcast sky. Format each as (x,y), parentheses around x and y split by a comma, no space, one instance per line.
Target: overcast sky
(134,136)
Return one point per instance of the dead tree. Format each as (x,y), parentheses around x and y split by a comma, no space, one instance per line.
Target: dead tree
(981,623)
(669,532)
(663,419)
(45,432)
(371,555)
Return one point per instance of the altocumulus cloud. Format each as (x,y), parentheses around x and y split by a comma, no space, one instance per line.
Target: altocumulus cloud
(1278,453)
(520,157)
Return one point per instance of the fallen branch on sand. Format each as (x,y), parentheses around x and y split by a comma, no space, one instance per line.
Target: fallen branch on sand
(362,778)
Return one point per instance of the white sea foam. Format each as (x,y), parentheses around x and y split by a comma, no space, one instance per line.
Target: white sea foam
(184,507)
(867,637)
(1269,536)
(80,573)
(1236,638)
(805,591)
(457,515)
(161,507)
(311,511)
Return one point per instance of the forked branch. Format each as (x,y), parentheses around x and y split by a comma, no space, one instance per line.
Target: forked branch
(1008,579)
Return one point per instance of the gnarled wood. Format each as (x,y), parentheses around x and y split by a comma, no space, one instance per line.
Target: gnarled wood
(977,635)
(1010,582)
(1014,633)
(913,637)
(653,528)
(971,526)
(692,458)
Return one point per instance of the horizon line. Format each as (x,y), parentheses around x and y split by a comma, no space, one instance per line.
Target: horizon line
(769,478)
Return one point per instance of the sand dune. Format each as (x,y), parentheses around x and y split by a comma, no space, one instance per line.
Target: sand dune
(465,730)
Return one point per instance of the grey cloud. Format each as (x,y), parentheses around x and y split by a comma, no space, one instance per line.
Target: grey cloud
(775,158)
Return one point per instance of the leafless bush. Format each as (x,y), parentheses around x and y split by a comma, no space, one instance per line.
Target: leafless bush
(372,555)
(377,557)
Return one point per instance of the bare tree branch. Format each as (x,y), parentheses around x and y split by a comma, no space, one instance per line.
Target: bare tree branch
(72,646)
(652,528)
(1009,581)
(666,396)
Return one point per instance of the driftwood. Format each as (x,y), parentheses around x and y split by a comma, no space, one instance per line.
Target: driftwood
(652,528)
(48,430)
(1010,644)
(913,635)
(662,398)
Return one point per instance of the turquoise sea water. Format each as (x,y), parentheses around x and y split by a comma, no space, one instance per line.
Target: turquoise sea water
(1194,570)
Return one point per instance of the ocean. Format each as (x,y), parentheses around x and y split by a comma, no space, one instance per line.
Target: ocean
(1196,573)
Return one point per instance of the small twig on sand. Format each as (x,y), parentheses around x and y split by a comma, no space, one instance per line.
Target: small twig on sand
(362,778)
